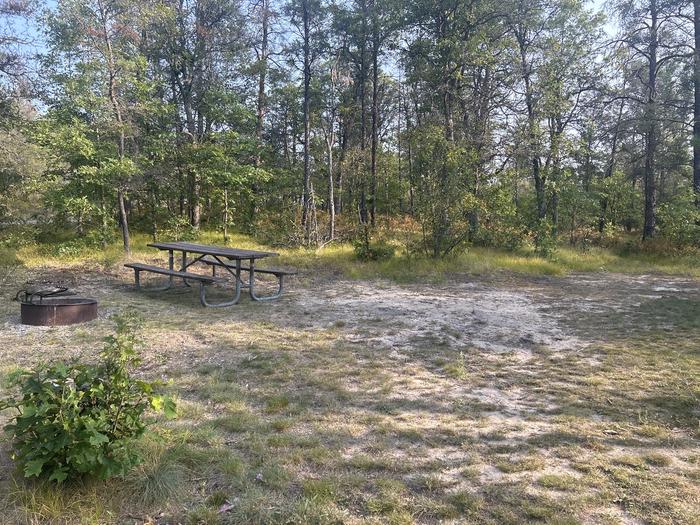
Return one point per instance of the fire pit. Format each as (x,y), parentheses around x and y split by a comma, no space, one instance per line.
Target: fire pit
(54,307)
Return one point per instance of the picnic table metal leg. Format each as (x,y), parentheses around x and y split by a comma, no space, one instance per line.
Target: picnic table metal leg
(236,298)
(251,286)
(137,279)
(171,265)
(251,279)
(184,267)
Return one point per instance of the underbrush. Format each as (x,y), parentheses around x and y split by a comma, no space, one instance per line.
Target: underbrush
(398,260)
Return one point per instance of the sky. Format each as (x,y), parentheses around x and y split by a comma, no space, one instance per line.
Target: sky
(30,31)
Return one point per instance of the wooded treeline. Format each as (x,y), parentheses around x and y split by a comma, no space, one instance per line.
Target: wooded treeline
(490,122)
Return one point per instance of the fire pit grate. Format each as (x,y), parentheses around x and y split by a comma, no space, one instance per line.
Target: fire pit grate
(55,306)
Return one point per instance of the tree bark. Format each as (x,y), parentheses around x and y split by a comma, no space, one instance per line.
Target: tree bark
(696,105)
(375,113)
(306,200)
(225,217)
(604,203)
(121,140)
(651,129)
(533,149)
(362,205)
(262,74)
(123,220)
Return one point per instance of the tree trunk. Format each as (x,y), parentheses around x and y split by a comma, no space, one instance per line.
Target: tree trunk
(195,205)
(121,141)
(261,104)
(651,130)
(533,149)
(331,196)
(262,75)
(343,137)
(123,222)
(555,154)
(375,115)
(225,217)
(611,167)
(306,200)
(362,205)
(696,106)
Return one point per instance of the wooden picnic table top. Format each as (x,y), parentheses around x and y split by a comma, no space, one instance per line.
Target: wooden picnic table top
(205,249)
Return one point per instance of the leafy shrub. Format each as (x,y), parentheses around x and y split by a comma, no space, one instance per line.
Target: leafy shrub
(584,238)
(609,236)
(82,419)
(679,221)
(442,205)
(368,250)
(373,251)
(545,238)
(18,236)
(278,227)
(178,228)
(74,247)
(505,237)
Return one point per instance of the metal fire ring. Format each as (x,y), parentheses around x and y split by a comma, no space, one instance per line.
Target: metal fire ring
(55,306)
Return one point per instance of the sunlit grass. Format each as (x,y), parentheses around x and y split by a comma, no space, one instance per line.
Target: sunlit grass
(282,424)
(339,258)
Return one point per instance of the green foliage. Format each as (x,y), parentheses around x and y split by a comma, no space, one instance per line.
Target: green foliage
(137,111)
(495,219)
(623,201)
(545,238)
(368,250)
(442,207)
(278,227)
(21,166)
(179,228)
(76,419)
(679,221)
(373,251)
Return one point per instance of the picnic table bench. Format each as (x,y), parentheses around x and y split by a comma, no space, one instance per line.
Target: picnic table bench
(280,273)
(202,279)
(230,259)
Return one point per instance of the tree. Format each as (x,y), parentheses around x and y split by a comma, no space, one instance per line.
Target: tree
(306,17)
(649,33)
(194,44)
(99,33)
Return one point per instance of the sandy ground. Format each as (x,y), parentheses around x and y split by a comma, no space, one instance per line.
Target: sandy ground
(503,332)
(516,315)
(494,315)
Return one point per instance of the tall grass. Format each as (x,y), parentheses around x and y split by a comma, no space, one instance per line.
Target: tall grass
(339,258)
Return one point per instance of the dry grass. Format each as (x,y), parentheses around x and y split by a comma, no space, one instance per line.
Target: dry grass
(287,418)
(339,259)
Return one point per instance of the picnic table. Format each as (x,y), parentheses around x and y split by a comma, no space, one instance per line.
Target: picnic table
(233,261)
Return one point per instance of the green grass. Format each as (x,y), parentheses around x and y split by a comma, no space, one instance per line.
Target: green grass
(525,464)
(558,481)
(339,258)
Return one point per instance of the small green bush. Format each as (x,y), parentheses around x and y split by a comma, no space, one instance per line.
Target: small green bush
(373,251)
(368,250)
(545,238)
(179,228)
(78,419)
(679,221)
